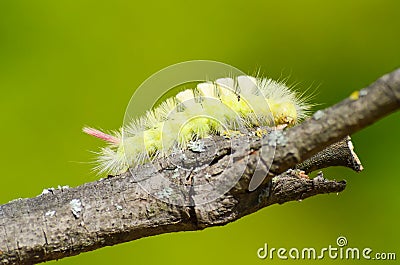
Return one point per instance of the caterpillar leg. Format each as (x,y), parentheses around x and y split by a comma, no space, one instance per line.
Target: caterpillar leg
(260,132)
(228,134)
(281,126)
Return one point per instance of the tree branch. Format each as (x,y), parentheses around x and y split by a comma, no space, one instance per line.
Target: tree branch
(338,154)
(68,221)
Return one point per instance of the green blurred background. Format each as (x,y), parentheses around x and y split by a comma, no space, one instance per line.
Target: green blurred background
(65,64)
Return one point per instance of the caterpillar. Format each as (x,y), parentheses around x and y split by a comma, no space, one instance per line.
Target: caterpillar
(212,108)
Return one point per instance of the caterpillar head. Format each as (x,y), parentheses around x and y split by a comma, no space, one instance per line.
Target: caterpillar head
(284,113)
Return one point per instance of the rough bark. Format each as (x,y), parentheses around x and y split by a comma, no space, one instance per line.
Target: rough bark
(67,221)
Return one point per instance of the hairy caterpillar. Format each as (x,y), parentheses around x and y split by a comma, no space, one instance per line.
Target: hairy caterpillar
(210,108)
